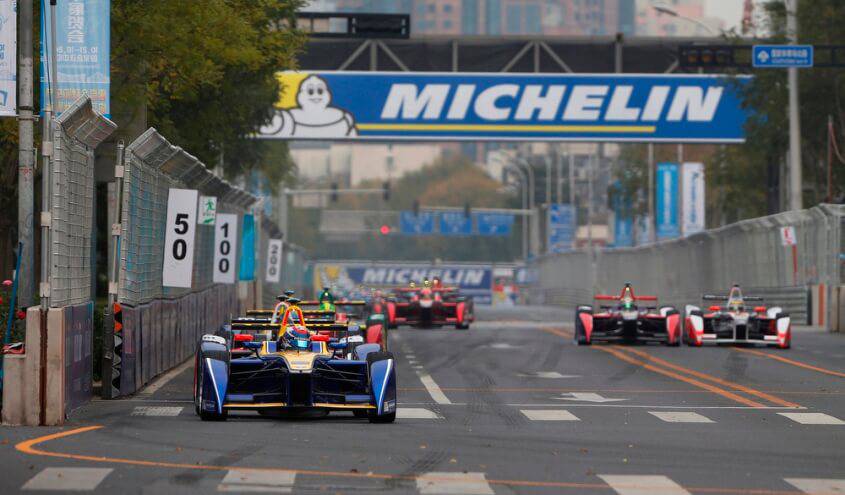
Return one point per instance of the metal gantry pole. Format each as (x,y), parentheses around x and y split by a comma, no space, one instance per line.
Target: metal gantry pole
(26,157)
(795,172)
(650,219)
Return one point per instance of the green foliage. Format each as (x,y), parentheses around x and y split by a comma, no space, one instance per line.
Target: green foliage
(204,73)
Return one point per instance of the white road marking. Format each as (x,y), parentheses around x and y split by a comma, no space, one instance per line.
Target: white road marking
(549,415)
(624,406)
(156,411)
(453,484)
(813,418)
(503,345)
(67,479)
(587,397)
(547,374)
(164,379)
(433,389)
(410,356)
(643,485)
(681,417)
(817,485)
(418,367)
(416,413)
(257,481)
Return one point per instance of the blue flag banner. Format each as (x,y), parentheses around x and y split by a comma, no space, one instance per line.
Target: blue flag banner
(501,106)
(455,223)
(82,49)
(247,265)
(494,224)
(668,225)
(420,224)
(560,228)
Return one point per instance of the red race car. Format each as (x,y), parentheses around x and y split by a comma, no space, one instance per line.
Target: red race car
(429,307)
(626,321)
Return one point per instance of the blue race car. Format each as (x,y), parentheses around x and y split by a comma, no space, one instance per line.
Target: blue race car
(302,369)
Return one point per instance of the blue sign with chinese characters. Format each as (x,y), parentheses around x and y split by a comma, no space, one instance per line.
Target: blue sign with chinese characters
(494,224)
(668,191)
(782,56)
(502,106)
(455,223)
(420,224)
(82,49)
(560,227)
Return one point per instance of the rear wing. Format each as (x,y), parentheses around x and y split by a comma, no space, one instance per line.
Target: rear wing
(342,303)
(307,313)
(609,297)
(266,325)
(711,297)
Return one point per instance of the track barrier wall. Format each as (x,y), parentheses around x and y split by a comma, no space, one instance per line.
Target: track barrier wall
(753,253)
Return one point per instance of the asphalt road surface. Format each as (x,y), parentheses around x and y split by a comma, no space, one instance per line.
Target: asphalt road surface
(510,406)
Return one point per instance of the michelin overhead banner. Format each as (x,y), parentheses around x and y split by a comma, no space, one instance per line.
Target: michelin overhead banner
(497,106)
(354,280)
(8,57)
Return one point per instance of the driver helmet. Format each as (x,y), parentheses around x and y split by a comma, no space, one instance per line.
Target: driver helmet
(436,282)
(413,284)
(426,282)
(297,337)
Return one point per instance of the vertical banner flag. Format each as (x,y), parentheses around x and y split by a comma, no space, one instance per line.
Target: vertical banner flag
(178,264)
(667,201)
(225,248)
(692,206)
(247,268)
(82,49)
(8,57)
(274,261)
(560,227)
(623,230)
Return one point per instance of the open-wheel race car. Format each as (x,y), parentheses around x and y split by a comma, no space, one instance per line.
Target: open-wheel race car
(429,306)
(736,323)
(625,320)
(297,368)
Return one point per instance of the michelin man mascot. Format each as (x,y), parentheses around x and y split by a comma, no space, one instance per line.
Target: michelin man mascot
(314,117)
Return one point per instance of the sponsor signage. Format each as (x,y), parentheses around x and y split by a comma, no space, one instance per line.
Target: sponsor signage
(667,201)
(8,57)
(472,280)
(225,248)
(692,197)
(494,224)
(782,56)
(274,261)
(246,271)
(560,227)
(455,223)
(82,53)
(643,227)
(178,266)
(422,223)
(623,230)
(497,106)
(787,236)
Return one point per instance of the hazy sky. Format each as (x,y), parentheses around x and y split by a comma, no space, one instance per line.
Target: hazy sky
(728,10)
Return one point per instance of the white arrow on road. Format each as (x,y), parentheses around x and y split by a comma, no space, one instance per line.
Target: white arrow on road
(546,374)
(587,397)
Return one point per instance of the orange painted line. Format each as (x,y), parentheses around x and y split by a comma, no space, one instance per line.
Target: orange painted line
(793,362)
(692,381)
(736,386)
(29,447)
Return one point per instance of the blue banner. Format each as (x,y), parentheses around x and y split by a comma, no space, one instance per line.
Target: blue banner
(82,51)
(668,191)
(420,224)
(247,264)
(494,224)
(623,231)
(560,228)
(499,106)
(455,223)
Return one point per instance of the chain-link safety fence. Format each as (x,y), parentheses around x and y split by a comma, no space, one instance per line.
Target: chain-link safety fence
(76,133)
(791,259)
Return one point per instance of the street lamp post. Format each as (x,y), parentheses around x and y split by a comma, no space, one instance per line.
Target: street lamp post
(665,9)
(795,172)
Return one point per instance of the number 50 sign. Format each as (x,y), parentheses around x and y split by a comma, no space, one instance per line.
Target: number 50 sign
(178,264)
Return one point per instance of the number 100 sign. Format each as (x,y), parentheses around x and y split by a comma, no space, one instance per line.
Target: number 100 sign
(225,248)
(178,264)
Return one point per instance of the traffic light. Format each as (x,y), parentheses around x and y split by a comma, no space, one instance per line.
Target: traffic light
(416,207)
(384,229)
(333,195)
(386,190)
(467,209)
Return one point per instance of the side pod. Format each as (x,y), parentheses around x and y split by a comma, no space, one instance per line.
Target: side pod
(211,378)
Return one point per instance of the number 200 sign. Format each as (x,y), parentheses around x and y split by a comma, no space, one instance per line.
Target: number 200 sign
(225,247)
(179,238)
(274,261)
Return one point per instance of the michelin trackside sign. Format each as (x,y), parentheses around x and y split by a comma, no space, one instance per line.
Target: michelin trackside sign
(497,106)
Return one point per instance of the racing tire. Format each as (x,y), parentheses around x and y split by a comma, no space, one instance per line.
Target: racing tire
(580,335)
(372,414)
(462,326)
(200,376)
